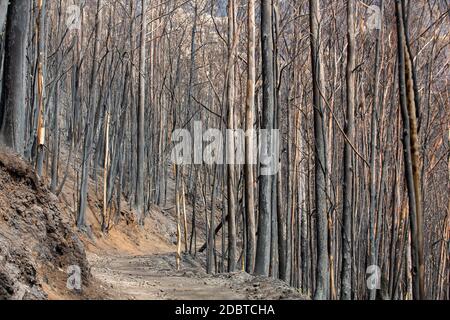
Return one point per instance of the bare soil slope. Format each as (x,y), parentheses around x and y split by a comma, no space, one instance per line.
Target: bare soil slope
(37,242)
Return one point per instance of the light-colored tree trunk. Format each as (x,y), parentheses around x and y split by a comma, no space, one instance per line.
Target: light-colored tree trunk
(346,287)
(178,209)
(41,60)
(3,12)
(322,278)
(249,120)
(411,153)
(373,154)
(416,163)
(141,119)
(183,198)
(105,175)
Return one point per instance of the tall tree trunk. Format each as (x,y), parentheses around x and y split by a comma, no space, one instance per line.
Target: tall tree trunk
(12,104)
(279,205)
(412,101)
(373,154)
(410,151)
(249,119)
(106,168)
(141,120)
(231,178)
(89,128)
(322,278)
(211,238)
(55,146)
(3,13)
(265,184)
(346,288)
(41,39)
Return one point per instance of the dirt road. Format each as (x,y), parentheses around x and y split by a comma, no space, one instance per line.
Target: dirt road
(155,277)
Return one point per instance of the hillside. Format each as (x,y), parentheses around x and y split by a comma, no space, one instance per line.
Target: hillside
(37,240)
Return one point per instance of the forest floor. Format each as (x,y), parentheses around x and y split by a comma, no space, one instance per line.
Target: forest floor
(140,263)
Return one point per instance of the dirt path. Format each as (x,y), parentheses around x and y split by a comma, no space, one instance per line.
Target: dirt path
(155,277)
(139,262)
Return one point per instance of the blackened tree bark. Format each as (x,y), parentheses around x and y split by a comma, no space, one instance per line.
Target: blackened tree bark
(41,60)
(12,105)
(89,128)
(249,119)
(265,184)
(3,11)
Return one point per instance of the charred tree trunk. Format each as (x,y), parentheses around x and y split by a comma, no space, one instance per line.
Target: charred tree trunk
(249,138)
(89,128)
(266,180)
(12,105)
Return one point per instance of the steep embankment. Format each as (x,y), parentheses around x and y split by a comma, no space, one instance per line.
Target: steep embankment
(37,243)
